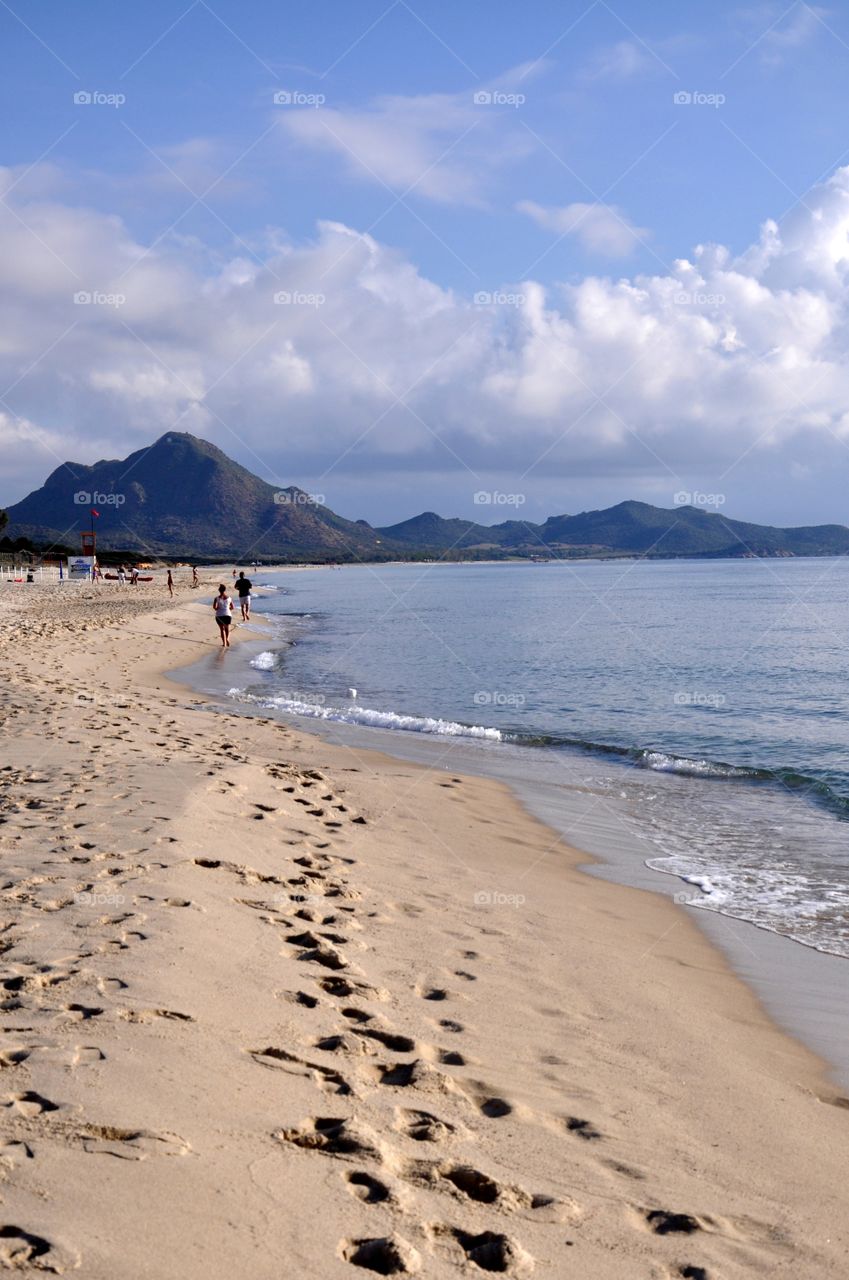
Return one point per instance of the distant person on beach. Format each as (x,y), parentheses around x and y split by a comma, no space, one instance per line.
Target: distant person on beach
(195,578)
(134,577)
(122,574)
(243,586)
(223,606)
(170,585)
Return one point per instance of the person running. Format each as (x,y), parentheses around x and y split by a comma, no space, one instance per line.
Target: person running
(223,606)
(170,585)
(243,586)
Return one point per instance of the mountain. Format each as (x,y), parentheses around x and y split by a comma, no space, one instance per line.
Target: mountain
(184,497)
(629,527)
(440,534)
(688,531)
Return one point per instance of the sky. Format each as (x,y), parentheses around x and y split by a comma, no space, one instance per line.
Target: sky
(485,259)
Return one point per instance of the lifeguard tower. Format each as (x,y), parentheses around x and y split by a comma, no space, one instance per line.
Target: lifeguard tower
(85,564)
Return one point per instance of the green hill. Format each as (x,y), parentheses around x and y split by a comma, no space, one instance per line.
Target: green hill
(184,497)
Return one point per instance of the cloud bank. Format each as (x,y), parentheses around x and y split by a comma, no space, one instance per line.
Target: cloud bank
(337,357)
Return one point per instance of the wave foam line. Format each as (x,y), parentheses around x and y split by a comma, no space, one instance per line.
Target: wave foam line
(373,719)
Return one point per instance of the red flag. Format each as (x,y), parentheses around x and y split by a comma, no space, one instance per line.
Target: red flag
(95,513)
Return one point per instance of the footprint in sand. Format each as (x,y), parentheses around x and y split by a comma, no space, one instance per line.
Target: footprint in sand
(13,1153)
(348,986)
(389,1040)
(335,1136)
(356,1015)
(494,1108)
(148,1015)
(471,1184)
(61,1055)
(347,1044)
(130,1144)
(21,1250)
(367,1188)
(387,1255)
(450,1058)
(315,950)
(28,1104)
(582,1128)
(418,1074)
(107,986)
(423,1126)
(327,1078)
(492,1251)
(664,1223)
(432,993)
(298,997)
(82,1012)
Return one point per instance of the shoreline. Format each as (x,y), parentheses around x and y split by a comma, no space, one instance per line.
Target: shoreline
(798,986)
(603,1095)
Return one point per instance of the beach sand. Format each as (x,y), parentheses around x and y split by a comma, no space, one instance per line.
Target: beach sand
(278,1008)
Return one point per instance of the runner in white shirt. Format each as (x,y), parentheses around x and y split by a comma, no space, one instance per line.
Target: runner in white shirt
(223,606)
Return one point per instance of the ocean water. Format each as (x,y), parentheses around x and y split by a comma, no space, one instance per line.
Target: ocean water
(703,707)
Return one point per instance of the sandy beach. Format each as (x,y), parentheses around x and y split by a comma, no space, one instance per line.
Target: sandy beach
(278,1008)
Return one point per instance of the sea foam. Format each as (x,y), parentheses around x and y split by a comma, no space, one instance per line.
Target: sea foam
(372,718)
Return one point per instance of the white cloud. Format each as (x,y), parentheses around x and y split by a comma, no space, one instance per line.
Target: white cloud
(804,23)
(621,61)
(445,146)
(366,367)
(600,227)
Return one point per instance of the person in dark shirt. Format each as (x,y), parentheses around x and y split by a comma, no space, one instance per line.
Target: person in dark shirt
(243,586)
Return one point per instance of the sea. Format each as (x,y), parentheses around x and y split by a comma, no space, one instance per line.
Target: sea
(688,721)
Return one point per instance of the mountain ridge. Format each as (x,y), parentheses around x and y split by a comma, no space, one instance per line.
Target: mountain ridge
(182,496)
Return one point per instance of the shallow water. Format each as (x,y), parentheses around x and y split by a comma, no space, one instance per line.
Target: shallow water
(703,706)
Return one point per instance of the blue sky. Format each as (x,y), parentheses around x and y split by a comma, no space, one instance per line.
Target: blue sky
(561,160)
